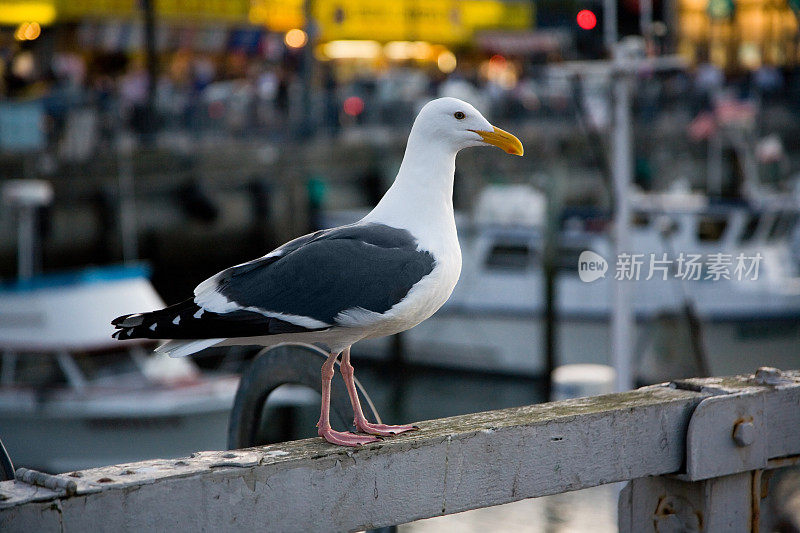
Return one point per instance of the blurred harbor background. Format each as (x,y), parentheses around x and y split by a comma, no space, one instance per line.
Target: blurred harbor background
(146,145)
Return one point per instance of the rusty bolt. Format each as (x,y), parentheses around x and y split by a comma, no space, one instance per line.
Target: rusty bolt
(744,433)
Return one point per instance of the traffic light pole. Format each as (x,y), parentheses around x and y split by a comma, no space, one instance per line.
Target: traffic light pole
(151,60)
(646,20)
(610,24)
(623,71)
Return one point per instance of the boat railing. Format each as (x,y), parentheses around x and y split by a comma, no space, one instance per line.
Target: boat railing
(74,375)
(696,454)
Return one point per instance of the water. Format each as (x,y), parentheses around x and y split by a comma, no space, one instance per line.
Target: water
(591,509)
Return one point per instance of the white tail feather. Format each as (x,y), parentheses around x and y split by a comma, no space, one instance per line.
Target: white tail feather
(184,348)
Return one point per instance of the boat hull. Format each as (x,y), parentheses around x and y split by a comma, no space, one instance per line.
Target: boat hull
(514,344)
(70,432)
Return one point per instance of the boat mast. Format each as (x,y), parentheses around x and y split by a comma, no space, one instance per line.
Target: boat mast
(622,319)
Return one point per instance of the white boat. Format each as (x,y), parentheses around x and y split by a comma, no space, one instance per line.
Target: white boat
(71,397)
(494,319)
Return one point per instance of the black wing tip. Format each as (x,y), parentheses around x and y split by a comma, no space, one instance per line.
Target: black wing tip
(185,323)
(127,321)
(123,334)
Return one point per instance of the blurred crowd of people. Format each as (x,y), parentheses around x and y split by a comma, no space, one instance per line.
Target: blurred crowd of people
(245,94)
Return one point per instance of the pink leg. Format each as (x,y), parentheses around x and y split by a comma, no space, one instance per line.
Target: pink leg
(360,421)
(324,424)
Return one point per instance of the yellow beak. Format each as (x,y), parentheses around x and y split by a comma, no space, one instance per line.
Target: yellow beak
(502,139)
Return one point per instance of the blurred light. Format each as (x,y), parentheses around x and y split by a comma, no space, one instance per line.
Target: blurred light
(497,61)
(352,49)
(500,71)
(586,19)
(507,79)
(28,31)
(353,106)
(402,50)
(16,13)
(398,50)
(33,31)
(295,38)
(446,61)
(750,56)
(23,65)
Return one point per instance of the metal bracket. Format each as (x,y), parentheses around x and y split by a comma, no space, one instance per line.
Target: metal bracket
(48,481)
(740,427)
(726,435)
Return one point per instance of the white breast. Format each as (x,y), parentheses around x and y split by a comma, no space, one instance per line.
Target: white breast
(421,202)
(427,296)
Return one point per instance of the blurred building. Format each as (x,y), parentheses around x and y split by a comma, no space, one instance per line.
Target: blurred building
(199,42)
(215,26)
(741,33)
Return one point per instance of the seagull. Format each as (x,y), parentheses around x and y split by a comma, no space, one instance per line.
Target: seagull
(382,275)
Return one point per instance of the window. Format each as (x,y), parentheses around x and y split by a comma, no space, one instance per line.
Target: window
(568,254)
(509,256)
(710,229)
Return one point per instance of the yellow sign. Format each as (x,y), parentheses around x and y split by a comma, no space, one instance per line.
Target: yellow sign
(76,9)
(13,12)
(497,15)
(389,21)
(277,15)
(221,10)
(441,21)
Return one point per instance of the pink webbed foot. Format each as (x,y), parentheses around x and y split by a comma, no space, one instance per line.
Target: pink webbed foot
(345,438)
(383,430)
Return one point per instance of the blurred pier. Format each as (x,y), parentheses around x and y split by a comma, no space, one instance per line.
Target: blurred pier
(255,195)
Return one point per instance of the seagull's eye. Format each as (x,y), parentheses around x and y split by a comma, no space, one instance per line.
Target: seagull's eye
(459,115)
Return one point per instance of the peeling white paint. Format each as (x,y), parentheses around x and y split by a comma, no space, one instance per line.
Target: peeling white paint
(275,453)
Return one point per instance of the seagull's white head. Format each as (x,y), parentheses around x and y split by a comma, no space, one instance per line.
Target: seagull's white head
(459,125)
(421,197)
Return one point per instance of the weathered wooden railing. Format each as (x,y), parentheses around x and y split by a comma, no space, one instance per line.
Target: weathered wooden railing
(693,451)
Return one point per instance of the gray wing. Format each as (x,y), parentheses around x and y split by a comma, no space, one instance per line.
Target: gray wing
(310,280)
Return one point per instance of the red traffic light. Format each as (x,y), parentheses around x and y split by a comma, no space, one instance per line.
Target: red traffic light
(353,106)
(586,19)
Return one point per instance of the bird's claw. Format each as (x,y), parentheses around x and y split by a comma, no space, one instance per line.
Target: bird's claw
(346,438)
(384,430)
